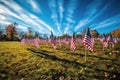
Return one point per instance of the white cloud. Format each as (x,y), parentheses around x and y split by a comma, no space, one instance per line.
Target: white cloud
(66,28)
(61,9)
(34,5)
(92,13)
(4,22)
(23,15)
(35,18)
(2,17)
(69,15)
(81,24)
(5,10)
(98,14)
(92,8)
(70,20)
(54,15)
(109,22)
(14,5)
(22,27)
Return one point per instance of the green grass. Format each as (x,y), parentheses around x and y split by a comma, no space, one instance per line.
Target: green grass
(27,63)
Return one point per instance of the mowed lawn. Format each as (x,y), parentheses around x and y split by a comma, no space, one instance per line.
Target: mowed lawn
(28,63)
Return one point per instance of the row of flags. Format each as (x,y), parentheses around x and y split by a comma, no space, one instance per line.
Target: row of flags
(34,42)
(108,40)
(87,41)
(53,41)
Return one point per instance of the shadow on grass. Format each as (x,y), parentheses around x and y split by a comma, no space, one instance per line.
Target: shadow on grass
(101,58)
(45,54)
(92,56)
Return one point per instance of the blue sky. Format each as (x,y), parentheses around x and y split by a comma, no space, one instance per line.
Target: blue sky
(61,16)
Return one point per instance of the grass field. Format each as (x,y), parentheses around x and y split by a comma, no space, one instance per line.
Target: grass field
(27,63)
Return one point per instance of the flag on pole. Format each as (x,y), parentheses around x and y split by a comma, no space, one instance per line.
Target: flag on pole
(22,41)
(104,41)
(116,39)
(110,40)
(59,41)
(73,42)
(66,40)
(87,40)
(36,42)
(53,41)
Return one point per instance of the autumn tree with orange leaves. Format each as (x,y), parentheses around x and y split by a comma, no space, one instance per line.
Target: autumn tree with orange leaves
(11,32)
(116,33)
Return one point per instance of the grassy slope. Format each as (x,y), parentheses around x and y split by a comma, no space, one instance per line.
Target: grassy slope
(27,63)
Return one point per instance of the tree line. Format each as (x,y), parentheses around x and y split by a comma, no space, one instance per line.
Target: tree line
(10,33)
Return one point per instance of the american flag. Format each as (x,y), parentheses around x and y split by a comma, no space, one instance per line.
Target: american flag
(36,42)
(73,42)
(104,41)
(110,40)
(59,41)
(87,40)
(53,41)
(116,39)
(22,41)
(66,40)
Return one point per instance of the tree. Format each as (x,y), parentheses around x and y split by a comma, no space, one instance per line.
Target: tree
(64,36)
(94,33)
(29,35)
(21,35)
(11,32)
(79,36)
(116,33)
(1,34)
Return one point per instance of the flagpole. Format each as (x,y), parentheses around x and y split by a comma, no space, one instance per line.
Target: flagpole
(85,52)
(110,46)
(103,48)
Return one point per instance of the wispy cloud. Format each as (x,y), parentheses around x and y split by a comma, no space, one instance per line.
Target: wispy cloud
(2,17)
(100,12)
(109,22)
(54,14)
(3,22)
(24,16)
(5,10)
(22,27)
(15,7)
(81,24)
(61,9)
(36,19)
(92,13)
(34,5)
(92,8)
(69,17)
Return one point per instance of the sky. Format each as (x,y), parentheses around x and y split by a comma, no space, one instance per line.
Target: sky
(61,16)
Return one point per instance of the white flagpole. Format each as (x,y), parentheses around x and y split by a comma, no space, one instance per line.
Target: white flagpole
(85,53)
